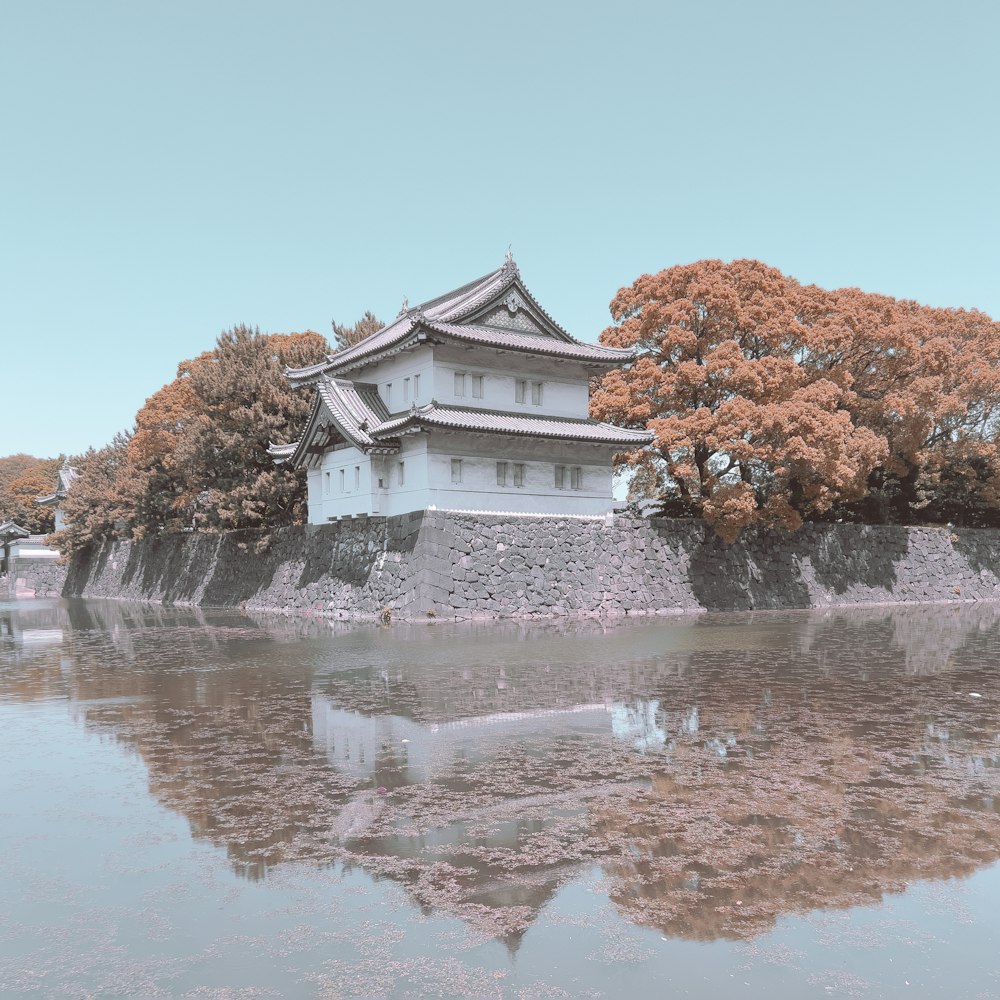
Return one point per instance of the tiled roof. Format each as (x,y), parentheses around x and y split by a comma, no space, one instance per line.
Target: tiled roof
(10,529)
(499,422)
(357,411)
(388,336)
(441,315)
(493,337)
(353,408)
(468,298)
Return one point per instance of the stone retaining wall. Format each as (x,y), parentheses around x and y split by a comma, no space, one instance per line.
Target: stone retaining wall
(34,578)
(437,563)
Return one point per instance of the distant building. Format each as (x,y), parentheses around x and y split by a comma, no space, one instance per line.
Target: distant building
(9,533)
(30,567)
(64,480)
(476,400)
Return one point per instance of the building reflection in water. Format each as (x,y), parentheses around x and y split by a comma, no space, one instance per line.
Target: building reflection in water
(720,771)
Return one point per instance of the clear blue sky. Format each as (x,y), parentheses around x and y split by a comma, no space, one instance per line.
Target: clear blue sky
(170,169)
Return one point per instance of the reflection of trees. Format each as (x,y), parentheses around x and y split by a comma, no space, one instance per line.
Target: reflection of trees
(723,770)
(828,796)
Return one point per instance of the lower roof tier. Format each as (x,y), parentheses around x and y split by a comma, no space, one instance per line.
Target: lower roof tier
(341,412)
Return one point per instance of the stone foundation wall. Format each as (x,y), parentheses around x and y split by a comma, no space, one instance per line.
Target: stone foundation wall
(352,567)
(34,578)
(447,564)
(436,563)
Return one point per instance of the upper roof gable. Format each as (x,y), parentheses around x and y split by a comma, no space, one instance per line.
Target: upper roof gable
(497,301)
(517,310)
(467,297)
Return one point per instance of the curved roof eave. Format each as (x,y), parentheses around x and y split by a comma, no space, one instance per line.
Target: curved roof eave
(514,424)
(524,343)
(340,404)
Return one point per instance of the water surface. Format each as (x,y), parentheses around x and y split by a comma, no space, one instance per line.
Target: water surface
(783,805)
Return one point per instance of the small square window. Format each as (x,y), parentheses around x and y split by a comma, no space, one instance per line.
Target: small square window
(501,473)
(459,383)
(536,393)
(477,386)
(518,474)
(456,470)
(560,477)
(576,477)
(520,390)
(402,473)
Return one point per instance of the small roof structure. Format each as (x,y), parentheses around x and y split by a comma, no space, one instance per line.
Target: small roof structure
(64,480)
(10,530)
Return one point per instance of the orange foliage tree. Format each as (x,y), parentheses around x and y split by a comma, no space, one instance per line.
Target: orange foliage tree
(197,457)
(746,429)
(152,455)
(244,402)
(941,419)
(772,402)
(103,499)
(23,478)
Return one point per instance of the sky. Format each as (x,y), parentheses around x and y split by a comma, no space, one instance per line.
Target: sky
(168,170)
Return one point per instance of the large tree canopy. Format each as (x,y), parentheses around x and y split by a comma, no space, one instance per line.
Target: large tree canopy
(242,402)
(772,402)
(197,457)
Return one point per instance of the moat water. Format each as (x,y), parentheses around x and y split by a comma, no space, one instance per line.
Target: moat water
(783,805)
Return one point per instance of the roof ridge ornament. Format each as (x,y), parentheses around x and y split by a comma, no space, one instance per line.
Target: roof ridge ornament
(405,306)
(509,264)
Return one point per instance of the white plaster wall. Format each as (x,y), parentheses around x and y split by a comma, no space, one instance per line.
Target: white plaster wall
(566,384)
(32,549)
(415,492)
(479,489)
(562,394)
(396,370)
(327,500)
(426,460)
